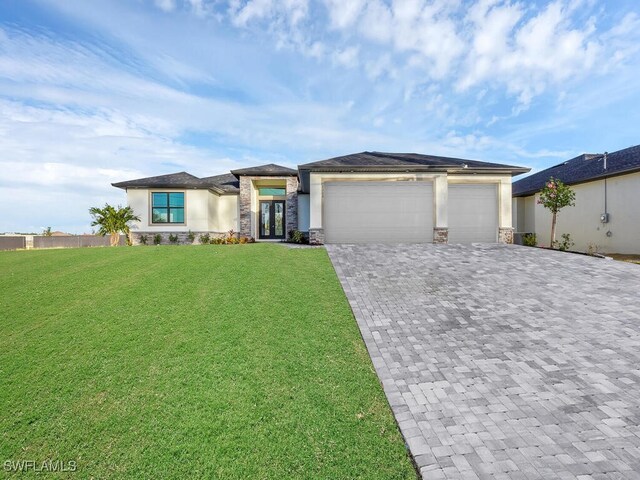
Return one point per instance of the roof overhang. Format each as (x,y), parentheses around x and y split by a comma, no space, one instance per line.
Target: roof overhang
(305,171)
(216,190)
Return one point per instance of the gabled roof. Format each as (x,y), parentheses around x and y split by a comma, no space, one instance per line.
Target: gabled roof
(381,161)
(268,170)
(583,168)
(172,180)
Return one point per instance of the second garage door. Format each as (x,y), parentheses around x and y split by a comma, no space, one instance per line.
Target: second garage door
(473,213)
(378,212)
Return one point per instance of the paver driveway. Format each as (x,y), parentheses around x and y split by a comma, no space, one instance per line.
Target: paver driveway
(503,361)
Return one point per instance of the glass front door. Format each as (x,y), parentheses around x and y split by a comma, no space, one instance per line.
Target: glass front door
(272,219)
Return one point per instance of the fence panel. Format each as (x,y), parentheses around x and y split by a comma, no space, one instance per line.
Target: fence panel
(12,243)
(75,241)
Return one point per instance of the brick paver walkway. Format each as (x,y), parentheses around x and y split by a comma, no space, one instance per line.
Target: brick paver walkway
(503,361)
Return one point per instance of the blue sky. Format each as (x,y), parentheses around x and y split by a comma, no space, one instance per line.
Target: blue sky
(103,91)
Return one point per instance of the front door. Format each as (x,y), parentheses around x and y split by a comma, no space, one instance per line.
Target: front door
(272,219)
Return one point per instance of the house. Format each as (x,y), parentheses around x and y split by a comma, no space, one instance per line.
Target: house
(360,198)
(605,217)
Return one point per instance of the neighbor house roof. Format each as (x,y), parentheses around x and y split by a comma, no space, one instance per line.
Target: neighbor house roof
(380,161)
(583,168)
(269,170)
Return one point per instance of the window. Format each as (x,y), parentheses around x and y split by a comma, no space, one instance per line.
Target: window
(167,207)
(271,191)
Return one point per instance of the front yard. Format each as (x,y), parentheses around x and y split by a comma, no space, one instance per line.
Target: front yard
(175,362)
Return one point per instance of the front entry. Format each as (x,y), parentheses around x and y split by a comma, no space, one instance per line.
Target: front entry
(272,223)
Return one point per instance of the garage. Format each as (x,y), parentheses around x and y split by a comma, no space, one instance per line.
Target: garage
(473,213)
(378,212)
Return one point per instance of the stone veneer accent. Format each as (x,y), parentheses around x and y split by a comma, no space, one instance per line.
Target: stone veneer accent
(291,205)
(316,236)
(440,235)
(244,202)
(505,235)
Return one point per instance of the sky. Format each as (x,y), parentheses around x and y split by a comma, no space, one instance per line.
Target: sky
(101,91)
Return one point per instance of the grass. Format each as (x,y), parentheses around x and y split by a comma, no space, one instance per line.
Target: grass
(189,362)
(630,258)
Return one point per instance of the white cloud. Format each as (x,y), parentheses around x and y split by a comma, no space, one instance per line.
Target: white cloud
(289,11)
(343,13)
(347,57)
(528,54)
(166,5)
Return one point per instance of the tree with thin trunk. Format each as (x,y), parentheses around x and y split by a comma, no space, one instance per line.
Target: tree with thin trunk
(113,221)
(555,196)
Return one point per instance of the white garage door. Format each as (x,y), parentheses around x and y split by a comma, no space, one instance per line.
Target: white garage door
(473,213)
(378,212)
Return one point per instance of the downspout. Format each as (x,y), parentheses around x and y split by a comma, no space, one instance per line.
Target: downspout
(606,211)
(605,184)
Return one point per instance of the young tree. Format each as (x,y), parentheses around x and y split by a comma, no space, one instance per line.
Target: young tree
(112,221)
(47,232)
(555,196)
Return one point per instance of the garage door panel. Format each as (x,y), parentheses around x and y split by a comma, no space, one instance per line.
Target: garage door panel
(473,213)
(378,212)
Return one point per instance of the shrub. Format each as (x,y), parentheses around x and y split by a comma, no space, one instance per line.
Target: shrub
(296,236)
(204,238)
(232,241)
(173,238)
(144,239)
(243,240)
(157,239)
(217,240)
(191,236)
(231,235)
(565,244)
(251,240)
(592,249)
(530,240)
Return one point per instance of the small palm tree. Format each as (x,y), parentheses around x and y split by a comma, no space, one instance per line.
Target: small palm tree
(113,221)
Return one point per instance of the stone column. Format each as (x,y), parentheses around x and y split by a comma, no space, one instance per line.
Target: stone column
(316,236)
(292,204)
(505,235)
(440,235)
(245,206)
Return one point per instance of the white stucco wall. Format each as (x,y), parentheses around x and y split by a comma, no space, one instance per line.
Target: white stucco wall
(204,211)
(582,222)
(227,213)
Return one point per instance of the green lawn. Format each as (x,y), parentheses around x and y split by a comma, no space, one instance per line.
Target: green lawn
(201,361)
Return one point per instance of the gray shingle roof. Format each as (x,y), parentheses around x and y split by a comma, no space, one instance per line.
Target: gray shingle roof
(404,161)
(226,183)
(583,168)
(271,169)
(172,180)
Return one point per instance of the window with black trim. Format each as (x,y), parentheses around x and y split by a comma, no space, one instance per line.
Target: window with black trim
(167,207)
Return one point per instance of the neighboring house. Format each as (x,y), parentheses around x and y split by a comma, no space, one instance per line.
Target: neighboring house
(606,215)
(361,198)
